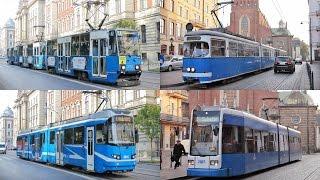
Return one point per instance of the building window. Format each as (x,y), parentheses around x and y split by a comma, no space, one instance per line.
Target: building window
(244,26)
(171,5)
(143,34)
(158,31)
(162,3)
(162,26)
(178,29)
(171,30)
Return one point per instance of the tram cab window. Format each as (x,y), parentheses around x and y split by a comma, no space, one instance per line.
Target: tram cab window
(52,137)
(100,136)
(78,135)
(75,46)
(232,139)
(271,146)
(218,47)
(249,141)
(84,44)
(113,50)
(95,47)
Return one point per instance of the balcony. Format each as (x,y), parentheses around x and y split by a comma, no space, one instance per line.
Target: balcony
(198,23)
(171,119)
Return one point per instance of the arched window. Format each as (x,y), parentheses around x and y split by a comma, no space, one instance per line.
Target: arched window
(244,26)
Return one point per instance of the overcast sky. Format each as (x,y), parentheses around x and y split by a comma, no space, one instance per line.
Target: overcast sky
(7,99)
(8,10)
(293,11)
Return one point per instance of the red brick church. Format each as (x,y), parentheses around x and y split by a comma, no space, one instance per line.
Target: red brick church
(247,19)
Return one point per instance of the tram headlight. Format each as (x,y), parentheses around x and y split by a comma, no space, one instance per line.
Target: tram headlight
(115,156)
(133,156)
(214,162)
(188,69)
(191,162)
(123,67)
(137,67)
(193,70)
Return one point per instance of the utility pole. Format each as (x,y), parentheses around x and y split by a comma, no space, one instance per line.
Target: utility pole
(308,147)
(310,34)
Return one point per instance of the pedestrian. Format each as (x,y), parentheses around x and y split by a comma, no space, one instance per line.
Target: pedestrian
(178,150)
(161,58)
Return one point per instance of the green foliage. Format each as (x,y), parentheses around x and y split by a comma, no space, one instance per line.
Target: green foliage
(126,23)
(148,121)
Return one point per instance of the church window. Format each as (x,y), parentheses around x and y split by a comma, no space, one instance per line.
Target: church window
(244,26)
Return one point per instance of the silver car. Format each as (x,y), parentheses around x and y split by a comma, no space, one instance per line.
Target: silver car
(172,63)
(3,149)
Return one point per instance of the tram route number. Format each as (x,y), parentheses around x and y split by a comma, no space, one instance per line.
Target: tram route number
(79,63)
(122,60)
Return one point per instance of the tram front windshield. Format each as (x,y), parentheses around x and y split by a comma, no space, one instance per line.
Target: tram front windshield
(121,131)
(205,133)
(196,49)
(128,42)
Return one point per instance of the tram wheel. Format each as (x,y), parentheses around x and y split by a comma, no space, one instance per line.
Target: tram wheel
(84,76)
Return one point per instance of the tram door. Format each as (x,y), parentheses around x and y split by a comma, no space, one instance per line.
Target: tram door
(90,148)
(64,53)
(59,147)
(98,51)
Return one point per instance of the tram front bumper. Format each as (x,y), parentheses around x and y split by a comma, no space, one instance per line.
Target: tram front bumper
(197,77)
(208,172)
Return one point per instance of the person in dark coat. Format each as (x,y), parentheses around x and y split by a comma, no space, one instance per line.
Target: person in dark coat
(178,150)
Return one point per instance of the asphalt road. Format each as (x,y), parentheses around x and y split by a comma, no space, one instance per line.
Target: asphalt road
(14,168)
(266,80)
(14,77)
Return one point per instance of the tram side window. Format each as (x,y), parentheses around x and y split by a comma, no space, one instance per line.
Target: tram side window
(75,46)
(68,136)
(266,53)
(84,44)
(218,47)
(249,141)
(233,49)
(79,134)
(32,140)
(51,137)
(100,137)
(271,146)
(257,141)
(113,50)
(232,139)
(265,140)
(240,50)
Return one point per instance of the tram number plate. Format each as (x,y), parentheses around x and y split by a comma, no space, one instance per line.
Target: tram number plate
(201,161)
(122,60)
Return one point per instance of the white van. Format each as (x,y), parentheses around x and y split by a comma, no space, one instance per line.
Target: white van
(3,148)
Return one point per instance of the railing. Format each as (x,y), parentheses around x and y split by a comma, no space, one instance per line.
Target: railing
(310,75)
(169,117)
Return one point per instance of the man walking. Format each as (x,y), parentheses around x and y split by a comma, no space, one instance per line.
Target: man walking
(177,153)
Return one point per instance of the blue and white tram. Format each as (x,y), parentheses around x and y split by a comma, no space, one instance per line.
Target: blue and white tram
(10,55)
(103,56)
(39,55)
(102,142)
(212,56)
(27,56)
(226,142)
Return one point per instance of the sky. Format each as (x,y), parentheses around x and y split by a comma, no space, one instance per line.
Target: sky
(315,95)
(293,11)
(7,98)
(8,9)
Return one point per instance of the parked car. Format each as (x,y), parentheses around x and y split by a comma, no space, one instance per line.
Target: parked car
(3,148)
(284,64)
(172,63)
(298,60)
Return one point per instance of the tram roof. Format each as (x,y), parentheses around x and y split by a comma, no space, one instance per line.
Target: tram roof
(245,114)
(102,114)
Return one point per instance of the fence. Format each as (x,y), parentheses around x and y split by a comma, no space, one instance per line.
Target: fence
(310,75)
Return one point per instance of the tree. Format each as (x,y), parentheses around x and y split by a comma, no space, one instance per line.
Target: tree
(304,50)
(148,121)
(126,23)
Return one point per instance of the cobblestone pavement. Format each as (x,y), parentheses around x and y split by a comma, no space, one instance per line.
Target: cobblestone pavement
(167,169)
(266,80)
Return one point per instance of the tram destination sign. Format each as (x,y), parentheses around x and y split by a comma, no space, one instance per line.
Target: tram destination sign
(79,63)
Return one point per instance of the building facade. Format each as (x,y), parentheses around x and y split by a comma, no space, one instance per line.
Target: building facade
(71,101)
(247,20)
(53,106)
(175,15)
(297,111)
(282,38)
(7,37)
(314,15)
(6,128)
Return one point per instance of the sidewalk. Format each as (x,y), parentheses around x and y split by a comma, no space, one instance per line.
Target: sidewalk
(168,172)
(315,66)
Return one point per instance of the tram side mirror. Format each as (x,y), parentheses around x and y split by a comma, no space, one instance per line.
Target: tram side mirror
(216,130)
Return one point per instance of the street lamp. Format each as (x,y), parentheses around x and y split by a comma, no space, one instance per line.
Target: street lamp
(310,38)
(171,46)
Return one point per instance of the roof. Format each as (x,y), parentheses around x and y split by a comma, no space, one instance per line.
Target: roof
(280,32)
(295,98)
(7,112)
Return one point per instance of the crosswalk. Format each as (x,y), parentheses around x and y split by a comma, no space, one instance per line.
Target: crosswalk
(6,158)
